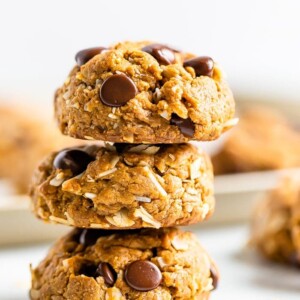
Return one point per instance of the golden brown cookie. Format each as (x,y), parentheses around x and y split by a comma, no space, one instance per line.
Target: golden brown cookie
(263,140)
(124,186)
(144,93)
(275,226)
(133,265)
(24,140)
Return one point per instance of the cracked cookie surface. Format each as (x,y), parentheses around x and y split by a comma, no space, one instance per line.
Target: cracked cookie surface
(124,186)
(97,264)
(140,93)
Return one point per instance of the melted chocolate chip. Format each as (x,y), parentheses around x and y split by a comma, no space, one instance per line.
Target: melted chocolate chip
(186,126)
(73,159)
(143,275)
(163,54)
(203,65)
(89,237)
(83,56)
(117,90)
(214,276)
(107,272)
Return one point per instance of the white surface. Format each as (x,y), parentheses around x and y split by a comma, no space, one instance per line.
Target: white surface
(256,42)
(244,275)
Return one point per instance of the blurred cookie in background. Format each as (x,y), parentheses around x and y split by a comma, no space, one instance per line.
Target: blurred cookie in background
(24,140)
(276,223)
(263,140)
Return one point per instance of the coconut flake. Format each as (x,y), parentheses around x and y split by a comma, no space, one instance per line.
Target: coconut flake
(151,150)
(138,149)
(164,114)
(66,95)
(90,179)
(157,94)
(172,156)
(161,261)
(59,220)
(192,191)
(65,263)
(145,149)
(128,162)
(205,210)
(142,213)
(57,180)
(114,161)
(129,137)
(87,137)
(107,172)
(70,220)
(143,199)
(179,244)
(97,226)
(120,219)
(156,183)
(195,168)
(90,195)
(112,116)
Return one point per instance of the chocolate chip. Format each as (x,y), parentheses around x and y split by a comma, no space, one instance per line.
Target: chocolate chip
(203,65)
(89,237)
(85,55)
(117,90)
(214,276)
(143,275)
(186,126)
(107,272)
(73,159)
(163,54)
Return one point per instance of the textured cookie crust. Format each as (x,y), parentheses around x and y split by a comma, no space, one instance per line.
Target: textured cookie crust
(24,141)
(163,91)
(185,267)
(263,140)
(275,227)
(143,186)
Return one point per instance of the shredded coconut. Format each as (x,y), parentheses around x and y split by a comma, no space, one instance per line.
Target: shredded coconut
(107,172)
(59,220)
(143,199)
(156,183)
(146,217)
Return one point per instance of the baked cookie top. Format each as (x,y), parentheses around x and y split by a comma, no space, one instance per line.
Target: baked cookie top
(144,93)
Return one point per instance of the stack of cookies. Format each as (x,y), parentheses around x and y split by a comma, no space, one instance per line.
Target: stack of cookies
(124,197)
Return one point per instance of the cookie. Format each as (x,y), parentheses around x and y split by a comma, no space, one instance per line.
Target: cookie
(24,140)
(124,186)
(275,226)
(263,140)
(144,93)
(135,264)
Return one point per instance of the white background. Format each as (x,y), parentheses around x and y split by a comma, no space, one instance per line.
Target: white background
(257,42)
